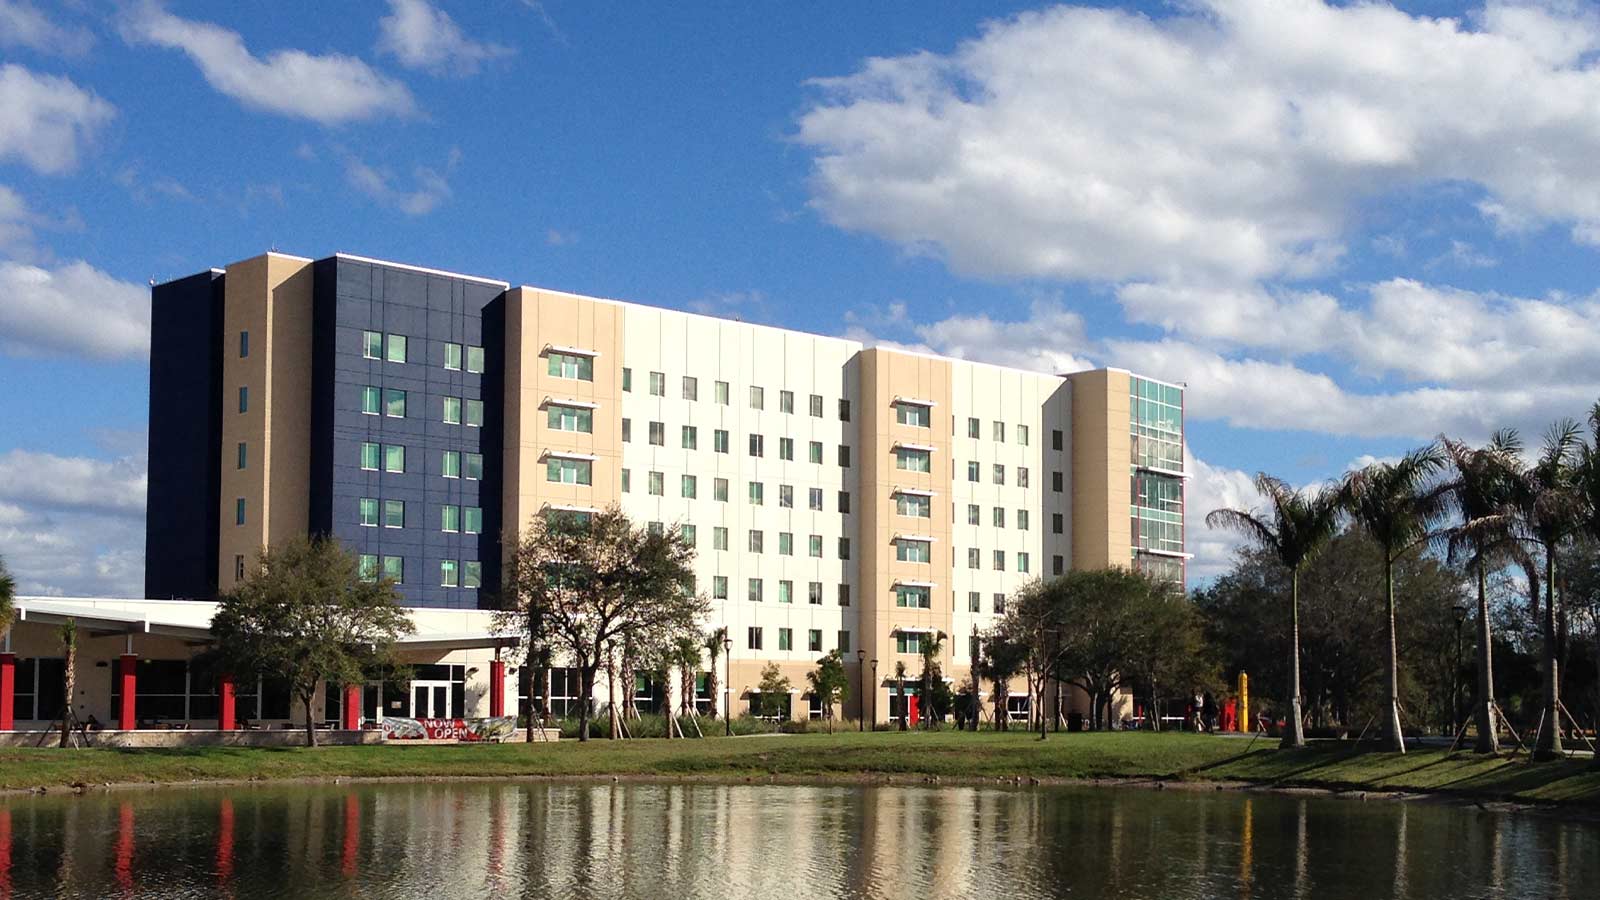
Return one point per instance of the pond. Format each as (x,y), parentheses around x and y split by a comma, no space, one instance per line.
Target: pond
(665,842)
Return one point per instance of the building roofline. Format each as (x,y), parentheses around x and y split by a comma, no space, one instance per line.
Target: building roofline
(423,269)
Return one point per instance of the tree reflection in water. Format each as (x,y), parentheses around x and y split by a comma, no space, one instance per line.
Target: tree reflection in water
(657,841)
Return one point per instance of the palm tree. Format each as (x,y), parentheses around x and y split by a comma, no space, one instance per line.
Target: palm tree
(1295,526)
(713,645)
(1483,492)
(932,646)
(1589,490)
(1398,505)
(69,677)
(900,690)
(1551,509)
(686,656)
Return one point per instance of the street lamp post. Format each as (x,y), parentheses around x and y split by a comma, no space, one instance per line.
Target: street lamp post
(1455,674)
(874,691)
(727,690)
(861,678)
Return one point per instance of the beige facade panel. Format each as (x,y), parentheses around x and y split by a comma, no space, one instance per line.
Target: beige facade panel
(538,324)
(1100,486)
(270,297)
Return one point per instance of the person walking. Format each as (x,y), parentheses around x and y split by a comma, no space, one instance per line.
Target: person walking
(1208,713)
(1197,711)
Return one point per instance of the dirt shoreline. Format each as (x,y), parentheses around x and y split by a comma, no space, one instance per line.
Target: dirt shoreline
(1574,811)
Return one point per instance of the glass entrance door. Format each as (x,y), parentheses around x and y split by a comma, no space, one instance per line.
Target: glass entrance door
(431,700)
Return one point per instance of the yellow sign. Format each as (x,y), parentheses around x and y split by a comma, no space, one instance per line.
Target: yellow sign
(1244,702)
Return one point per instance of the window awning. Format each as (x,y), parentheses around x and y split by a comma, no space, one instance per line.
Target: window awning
(913,629)
(570,454)
(921,448)
(904,582)
(564,507)
(570,351)
(919,538)
(916,492)
(568,401)
(913,401)
(101,622)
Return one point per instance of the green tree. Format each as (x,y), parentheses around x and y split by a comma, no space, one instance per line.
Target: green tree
(714,644)
(1483,493)
(774,692)
(606,584)
(305,615)
(1036,622)
(1002,660)
(1295,526)
(829,684)
(900,691)
(1550,504)
(8,597)
(1167,646)
(931,647)
(1398,505)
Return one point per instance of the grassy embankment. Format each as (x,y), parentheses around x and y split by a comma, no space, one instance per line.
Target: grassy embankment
(845,756)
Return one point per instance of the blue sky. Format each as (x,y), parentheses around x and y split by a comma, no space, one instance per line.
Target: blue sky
(1348,228)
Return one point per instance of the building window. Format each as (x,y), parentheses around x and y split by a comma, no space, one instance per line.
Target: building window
(394,403)
(719,587)
(372,344)
(758,445)
(452,411)
(757,495)
(1055,439)
(814,498)
(1022,519)
(844,456)
(690,534)
(972,472)
(658,384)
(999,517)
(371,401)
(1055,482)
(452,357)
(785,591)
(448,573)
(474,466)
(472,521)
(1056,523)
(366,566)
(691,437)
(913,460)
(626,481)
(451,466)
(752,637)
(911,597)
(814,640)
(999,604)
(756,540)
(244,399)
(450,518)
(814,546)
(844,642)
(370,455)
(906,550)
(720,391)
(472,574)
(1022,476)
(816,405)
(972,427)
(394,569)
(394,458)
(814,453)
(974,557)
(474,414)
(656,529)
(844,595)
(999,474)
(658,434)
(238,511)
(627,380)
(907,642)
(974,601)
(570,471)
(570,418)
(657,484)
(369,512)
(999,560)
(689,486)
(844,548)
(786,496)
(395,348)
(972,513)
(719,441)
(719,490)
(691,388)
(1022,435)
(394,514)
(1022,562)
(786,449)
(814,593)
(580,368)
(1000,432)
(914,505)
(719,537)
(914,414)
(785,543)
(627,430)
(753,590)
(786,401)
(1058,564)
(785,639)
(844,410)
(243,455)
(844,502)
(758,398)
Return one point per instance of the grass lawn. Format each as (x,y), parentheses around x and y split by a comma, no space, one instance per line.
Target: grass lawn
(945,754)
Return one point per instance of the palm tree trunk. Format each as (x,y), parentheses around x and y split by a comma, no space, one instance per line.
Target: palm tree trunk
(713,687)
(1550,735)
(69,688)
(1393,738)
(1294,736)
(1488,735)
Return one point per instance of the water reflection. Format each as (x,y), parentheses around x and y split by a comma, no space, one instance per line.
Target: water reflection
(672,841)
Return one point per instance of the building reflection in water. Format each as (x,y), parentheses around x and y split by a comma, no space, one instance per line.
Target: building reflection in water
(654,841)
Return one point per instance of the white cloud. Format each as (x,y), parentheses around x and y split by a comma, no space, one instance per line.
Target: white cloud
(331,88)
(74,310)
(1213,487)
(1227,143)
(46,120)
(1049,340)
(431,187)
(23,25)
(422,36)
(73,525)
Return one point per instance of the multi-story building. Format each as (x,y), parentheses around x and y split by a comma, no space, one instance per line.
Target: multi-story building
(839,496)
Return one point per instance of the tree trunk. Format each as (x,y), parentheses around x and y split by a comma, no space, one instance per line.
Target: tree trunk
(1549,746)
(311,725)
(1393,738)
(1483,709)
(70,687)
(1038,692)
(1294,736)
(612,716)
(900,692)
(586,702)
(713,688)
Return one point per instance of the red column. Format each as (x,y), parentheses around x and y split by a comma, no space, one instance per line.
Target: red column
(8,691)
(351,714)
(129,675)
(227,704)
(497,688)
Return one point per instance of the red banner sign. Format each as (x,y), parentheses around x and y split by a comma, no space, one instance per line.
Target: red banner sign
(472,730)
